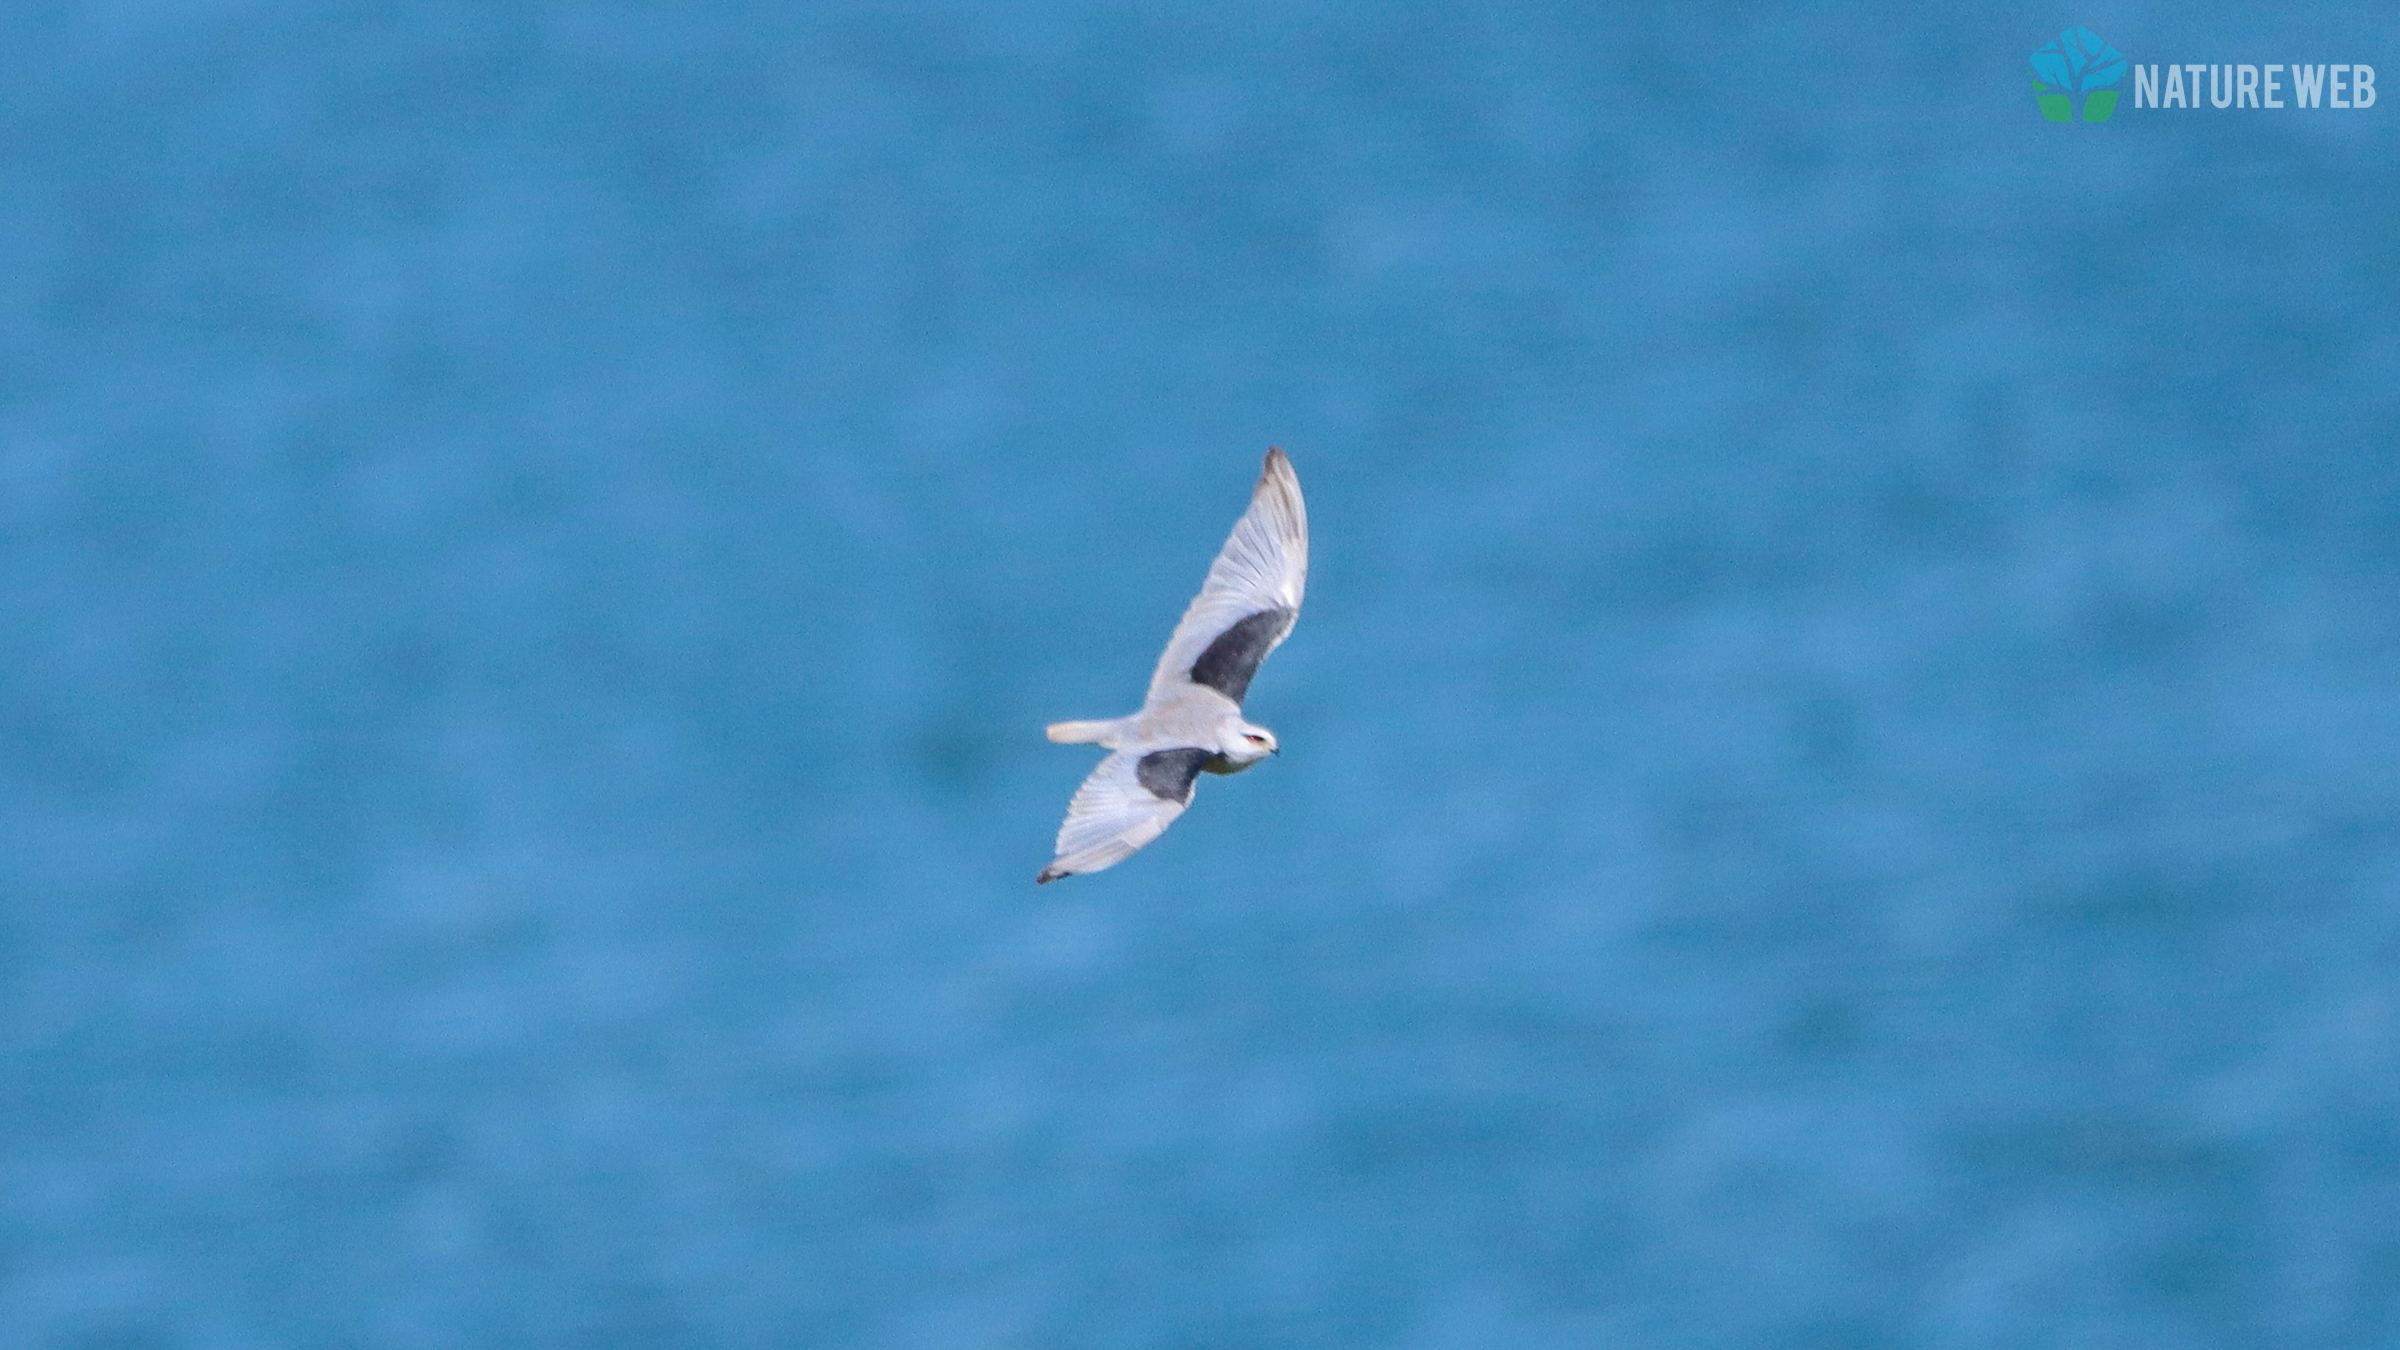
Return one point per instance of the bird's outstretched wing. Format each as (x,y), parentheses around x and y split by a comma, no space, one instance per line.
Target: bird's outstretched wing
(1128,801)
(1252,594)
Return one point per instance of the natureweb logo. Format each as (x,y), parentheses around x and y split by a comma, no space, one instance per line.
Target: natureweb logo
(2073,74)
(2077,62)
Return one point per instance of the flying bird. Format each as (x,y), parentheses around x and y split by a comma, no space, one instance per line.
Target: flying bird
(1192,720)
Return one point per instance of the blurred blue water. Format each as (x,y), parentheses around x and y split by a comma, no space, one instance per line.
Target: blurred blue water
(1838,783)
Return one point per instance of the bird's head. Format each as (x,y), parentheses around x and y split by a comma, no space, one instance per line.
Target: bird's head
(1251,744)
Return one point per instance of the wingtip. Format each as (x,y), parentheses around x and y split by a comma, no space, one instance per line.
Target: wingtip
(1049,874)
(1277,465)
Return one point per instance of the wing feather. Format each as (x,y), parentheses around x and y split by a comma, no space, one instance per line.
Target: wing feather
(1263,568)
(1114,814)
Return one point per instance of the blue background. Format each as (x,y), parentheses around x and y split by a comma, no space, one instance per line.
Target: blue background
(1839,768)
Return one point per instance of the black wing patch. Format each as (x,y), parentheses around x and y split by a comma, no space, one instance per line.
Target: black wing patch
(1233,658)
(1168,774)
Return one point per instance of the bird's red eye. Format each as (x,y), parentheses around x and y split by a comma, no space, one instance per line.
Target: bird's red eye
(1257,740)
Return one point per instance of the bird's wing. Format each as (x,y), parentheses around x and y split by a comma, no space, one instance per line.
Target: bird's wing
(1252,594)
(1127,802)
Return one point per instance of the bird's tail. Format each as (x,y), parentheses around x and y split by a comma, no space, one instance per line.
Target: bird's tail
(1103,732)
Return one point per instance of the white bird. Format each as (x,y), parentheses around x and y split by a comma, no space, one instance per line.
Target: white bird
(1192,720)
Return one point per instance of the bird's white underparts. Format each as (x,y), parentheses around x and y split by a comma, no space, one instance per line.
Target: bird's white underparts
(1192,721)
